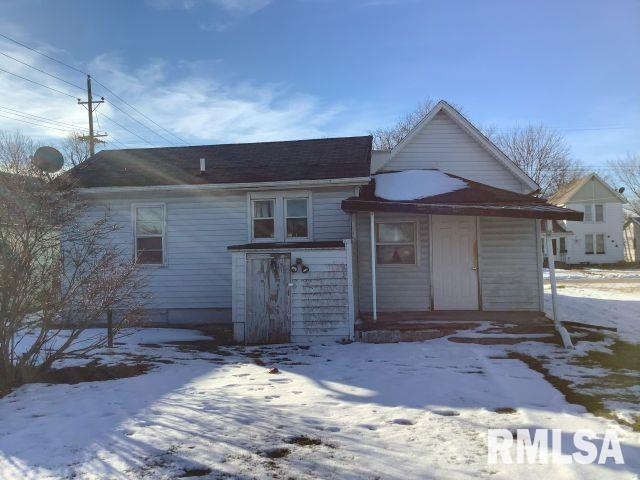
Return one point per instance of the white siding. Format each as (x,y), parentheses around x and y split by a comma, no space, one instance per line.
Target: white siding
(612,228)
(444,145)
(509,264)
(198,271)
(399,287)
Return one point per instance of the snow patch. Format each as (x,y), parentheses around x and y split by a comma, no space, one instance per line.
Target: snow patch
(415,184)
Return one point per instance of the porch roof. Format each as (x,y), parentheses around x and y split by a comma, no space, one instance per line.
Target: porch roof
(476,199)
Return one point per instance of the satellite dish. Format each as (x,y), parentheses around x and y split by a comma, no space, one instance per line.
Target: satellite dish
(48,159)
(621,190)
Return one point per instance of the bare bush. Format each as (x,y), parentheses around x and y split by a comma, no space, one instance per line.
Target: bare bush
(627,173)
(387,138)
(59,275)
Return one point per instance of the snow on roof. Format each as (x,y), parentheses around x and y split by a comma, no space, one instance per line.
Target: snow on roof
(415,184)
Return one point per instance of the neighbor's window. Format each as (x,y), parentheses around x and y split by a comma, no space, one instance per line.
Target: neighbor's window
(588,244)
(563,245)
(263,221)
(599,213)
(149,221)
(588,213)
(297,217)
(396,243)
(600,243)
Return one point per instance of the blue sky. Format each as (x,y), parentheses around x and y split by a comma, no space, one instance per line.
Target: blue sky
(252,70)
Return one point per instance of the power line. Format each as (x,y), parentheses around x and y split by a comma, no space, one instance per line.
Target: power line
(138,111)
(41,71)
(43,54)
(125,128)
(38,117)
(38,83)
(139,122)
(37,124)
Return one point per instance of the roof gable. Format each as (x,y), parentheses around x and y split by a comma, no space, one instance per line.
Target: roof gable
(443,108)
(589,188)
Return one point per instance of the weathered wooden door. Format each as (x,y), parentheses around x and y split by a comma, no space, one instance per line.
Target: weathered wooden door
(268,301)
(454,262)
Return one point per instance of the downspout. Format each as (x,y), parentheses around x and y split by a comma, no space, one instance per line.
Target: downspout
(372,221)
(566,339)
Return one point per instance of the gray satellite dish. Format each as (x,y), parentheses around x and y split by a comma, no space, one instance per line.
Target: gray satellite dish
(621,190)
(48,159)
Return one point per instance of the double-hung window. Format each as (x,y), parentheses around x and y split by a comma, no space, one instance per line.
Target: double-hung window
(588,213)
(296,211)
(593,213)
(396,243)
(263,220)
(599,213)
(594,243)
(150,234)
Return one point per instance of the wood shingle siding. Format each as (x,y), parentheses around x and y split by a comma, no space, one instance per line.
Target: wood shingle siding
(509,264)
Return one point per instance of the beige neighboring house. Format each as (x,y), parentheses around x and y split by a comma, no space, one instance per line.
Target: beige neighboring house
(598,238)
(632,239)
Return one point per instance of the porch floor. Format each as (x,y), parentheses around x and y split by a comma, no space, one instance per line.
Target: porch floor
(496,327)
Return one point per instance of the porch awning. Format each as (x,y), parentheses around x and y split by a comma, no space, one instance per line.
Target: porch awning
(468,198)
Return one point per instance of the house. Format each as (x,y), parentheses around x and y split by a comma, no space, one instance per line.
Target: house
(560,237)
(632,239)
(598,237)
(299,240)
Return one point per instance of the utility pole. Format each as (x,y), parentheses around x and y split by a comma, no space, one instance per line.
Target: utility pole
(91,105)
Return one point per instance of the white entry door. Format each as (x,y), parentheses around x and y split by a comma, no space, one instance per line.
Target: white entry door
(454,262)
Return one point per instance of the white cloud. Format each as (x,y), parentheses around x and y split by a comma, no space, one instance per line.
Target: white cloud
(192,99)
(244,7)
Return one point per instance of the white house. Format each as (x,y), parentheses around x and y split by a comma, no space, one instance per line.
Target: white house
(632,239)
(298,240)
(598,237)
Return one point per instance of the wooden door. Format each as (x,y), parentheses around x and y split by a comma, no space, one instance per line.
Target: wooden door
(268,301)
(454,262)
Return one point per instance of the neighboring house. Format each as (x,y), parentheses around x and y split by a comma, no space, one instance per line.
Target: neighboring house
(297,240)
(598,237)
(560,238)
(632,239)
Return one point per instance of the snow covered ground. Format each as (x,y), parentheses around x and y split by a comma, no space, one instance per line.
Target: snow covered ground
(614,304)
(593,273)
(412,410)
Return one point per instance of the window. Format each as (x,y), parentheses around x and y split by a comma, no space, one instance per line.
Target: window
(149,229)
(297,217)
(263,222)
(563,245)
(588,213)
(600,243)
(599,213)
(588,244)
(396,243)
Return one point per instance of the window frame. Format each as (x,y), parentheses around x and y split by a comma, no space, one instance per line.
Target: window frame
(252,202)
(593,246)
(590,208)
(134,222)
(415,243)
(280,227)
(286,216)
(595,212)
(604,244)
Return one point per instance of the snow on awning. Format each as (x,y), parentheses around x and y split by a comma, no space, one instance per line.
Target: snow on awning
(415,184)
(425,192)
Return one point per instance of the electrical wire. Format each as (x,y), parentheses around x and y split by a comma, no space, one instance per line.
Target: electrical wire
(38,117)
(43,54)
(40,84)
(42,71)
(37,124)
(139,122)
(125,128)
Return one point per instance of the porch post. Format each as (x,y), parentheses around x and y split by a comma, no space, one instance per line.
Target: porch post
(566,339)
(372,221)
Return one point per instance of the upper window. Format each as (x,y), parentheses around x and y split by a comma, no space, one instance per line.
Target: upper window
(396,243)
(599,213)
(149,228)
(589,216)
(263,220)
(297,217)
(588,213)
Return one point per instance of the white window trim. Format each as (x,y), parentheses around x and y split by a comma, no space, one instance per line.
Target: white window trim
(416,243)
(134,218)
(595,219)
(251,219)
(595,244)
(280,227)
(590,207)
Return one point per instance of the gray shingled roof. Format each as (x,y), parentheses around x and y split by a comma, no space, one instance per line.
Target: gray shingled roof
(327,158)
